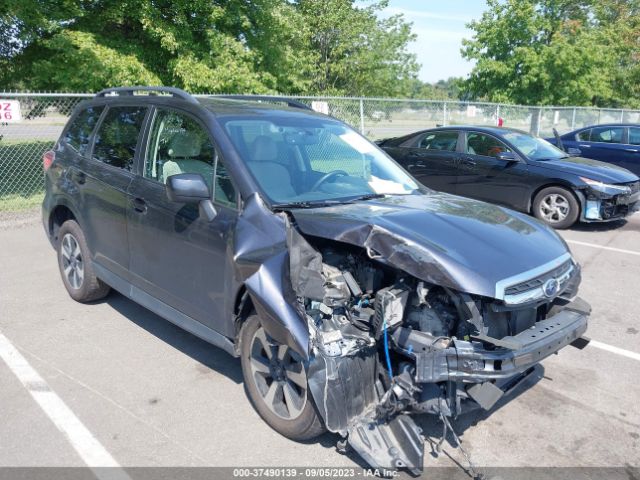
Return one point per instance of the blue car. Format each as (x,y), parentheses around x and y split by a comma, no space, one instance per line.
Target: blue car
(618,144)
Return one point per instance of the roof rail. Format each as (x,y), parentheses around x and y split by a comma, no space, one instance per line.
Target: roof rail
(267,98)
(175,92)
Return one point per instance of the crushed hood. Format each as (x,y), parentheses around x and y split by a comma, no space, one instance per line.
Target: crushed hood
(440,238)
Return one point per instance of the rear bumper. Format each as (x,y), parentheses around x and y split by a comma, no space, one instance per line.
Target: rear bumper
(470,362)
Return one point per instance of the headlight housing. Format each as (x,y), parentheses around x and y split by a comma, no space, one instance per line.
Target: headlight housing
(606,188)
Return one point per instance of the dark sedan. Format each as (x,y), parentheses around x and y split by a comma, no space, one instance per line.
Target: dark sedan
(512,168)
(618,144)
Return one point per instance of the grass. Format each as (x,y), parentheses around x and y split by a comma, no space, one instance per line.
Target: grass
(21,176)
(18,203)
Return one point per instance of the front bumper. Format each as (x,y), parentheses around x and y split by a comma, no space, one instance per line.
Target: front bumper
(471,362)
(600,208)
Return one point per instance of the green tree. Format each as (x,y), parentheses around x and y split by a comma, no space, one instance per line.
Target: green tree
(353,51)
(239,46)
(549,52)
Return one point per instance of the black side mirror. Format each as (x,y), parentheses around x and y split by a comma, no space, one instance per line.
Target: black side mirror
(191,188)
(507,157)
(574,152)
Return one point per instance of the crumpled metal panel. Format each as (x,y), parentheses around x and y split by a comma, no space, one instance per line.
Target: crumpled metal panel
(262,263)
(442,239)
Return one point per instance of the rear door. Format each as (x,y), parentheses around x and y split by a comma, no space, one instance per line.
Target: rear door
(176,256)
(485,177)
(103,179)
(631,159)
(431,158)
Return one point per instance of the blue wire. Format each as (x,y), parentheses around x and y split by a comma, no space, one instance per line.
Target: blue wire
(386,348)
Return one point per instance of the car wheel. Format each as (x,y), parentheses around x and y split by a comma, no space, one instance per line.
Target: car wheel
(557,207)
(76,267)
(275,380)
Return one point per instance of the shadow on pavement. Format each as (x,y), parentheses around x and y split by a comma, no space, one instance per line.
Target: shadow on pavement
(598,227)
(201,351)
(432,427)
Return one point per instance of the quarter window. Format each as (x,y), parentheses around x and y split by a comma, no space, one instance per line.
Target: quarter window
(485,145)
(443,141)
(606,134)
(78,133)
(117,136)
(634,136)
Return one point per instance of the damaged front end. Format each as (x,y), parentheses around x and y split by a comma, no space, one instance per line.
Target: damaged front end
(384,344)
(605,202)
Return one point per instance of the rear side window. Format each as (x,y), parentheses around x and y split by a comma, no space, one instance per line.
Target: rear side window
(117,136)
(606,134)
(443,141)
(634,136)
(78,133)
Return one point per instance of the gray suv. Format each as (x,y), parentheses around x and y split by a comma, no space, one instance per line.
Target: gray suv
(353,295)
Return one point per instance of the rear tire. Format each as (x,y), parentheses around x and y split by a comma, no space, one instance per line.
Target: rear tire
(76,267)
(557,207)
(275,381)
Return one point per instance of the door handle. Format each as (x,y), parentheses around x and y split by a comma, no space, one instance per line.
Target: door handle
(80,178)
(468,161)
(585,146)
(139,205)
(631,150)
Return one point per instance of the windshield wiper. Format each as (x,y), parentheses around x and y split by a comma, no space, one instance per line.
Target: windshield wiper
(304,204)
(369,196)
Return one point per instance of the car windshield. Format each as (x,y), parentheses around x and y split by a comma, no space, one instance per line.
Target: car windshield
(534,147)
(309,160)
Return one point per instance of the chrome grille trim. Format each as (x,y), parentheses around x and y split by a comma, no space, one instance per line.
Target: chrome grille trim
(536,292)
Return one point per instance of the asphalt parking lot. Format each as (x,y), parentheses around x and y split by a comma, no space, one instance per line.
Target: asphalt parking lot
(149,394)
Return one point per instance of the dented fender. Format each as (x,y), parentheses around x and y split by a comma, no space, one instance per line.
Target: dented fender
(262,264)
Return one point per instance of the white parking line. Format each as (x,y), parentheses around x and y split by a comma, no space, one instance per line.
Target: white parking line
(603,247)
(616,350)
(85,444)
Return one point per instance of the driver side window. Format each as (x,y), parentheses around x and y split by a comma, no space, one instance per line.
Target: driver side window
(178,144)
(485,145)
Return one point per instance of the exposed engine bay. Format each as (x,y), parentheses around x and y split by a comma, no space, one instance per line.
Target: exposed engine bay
(384,344)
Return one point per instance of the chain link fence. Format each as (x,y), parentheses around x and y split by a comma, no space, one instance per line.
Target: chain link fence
(44,115)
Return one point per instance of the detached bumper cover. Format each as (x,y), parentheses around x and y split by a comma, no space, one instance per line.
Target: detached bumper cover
(471,362)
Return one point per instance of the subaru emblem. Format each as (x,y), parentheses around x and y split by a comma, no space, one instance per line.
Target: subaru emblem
(550,287)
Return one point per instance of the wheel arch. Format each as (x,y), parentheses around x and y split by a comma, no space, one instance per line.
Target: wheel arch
(59,214)
(562,184)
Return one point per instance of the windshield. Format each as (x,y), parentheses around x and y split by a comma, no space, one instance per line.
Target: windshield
(534,147)
(308,160)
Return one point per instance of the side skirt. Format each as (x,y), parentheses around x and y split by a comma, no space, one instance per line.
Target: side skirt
(165,311)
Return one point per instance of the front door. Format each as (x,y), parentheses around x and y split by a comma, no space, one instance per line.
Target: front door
(485,177)
(178,257)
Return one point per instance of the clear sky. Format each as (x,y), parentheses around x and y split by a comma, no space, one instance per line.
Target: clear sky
(440,27)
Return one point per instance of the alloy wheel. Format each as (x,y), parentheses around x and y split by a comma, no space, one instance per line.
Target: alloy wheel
(554,208)
(72,263)
(279,375)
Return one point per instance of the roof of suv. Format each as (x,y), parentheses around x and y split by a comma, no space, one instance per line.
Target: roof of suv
(218,105)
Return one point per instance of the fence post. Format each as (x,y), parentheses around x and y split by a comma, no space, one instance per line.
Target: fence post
(573,119)
(498,115)
(622,116)
(539,121)
(361,115)
(444,114)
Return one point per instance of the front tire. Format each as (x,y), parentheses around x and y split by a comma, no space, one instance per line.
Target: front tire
(275,381)
(557,207)
(76,267)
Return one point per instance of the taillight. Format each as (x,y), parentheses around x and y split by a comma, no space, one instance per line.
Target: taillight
(47,159)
